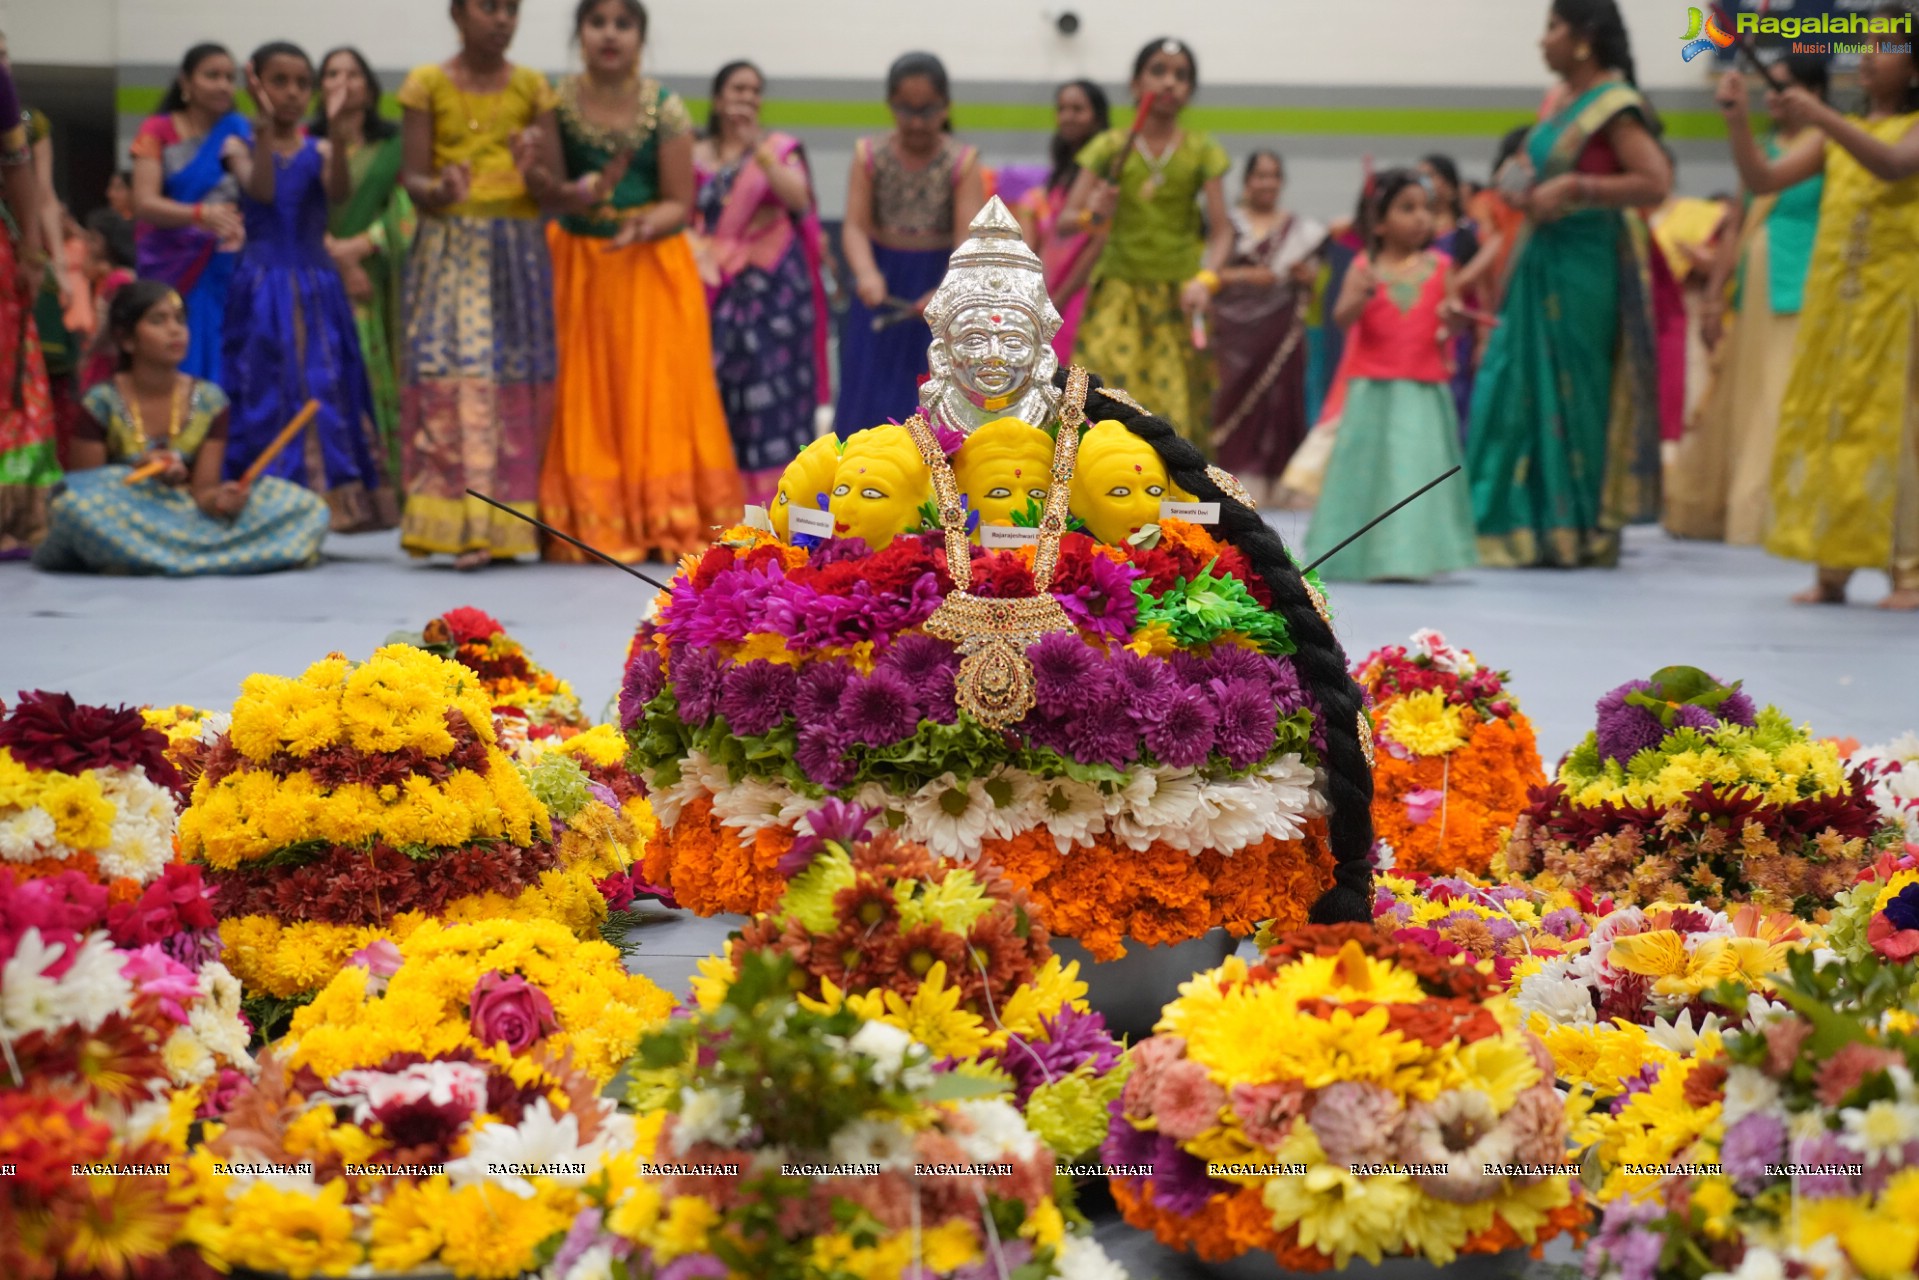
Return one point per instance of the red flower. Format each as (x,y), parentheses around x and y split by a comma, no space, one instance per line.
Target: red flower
(1890,941)
(1851,1067)
(470,625)
(715,562)
(1002,576)
(51,731)
(175,903)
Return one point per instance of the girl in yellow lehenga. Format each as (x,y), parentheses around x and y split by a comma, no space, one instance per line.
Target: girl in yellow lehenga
(1845,478)
(640,462)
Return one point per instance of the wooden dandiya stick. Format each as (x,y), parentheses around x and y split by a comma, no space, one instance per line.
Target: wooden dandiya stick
(281,441)
(146,471)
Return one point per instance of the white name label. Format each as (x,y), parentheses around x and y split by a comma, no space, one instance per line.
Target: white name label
(1190,512)
(997,536)
(756,518)
(810,520)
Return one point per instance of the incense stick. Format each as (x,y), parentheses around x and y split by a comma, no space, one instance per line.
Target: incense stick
(1368,526)
(281,441)
(567,537)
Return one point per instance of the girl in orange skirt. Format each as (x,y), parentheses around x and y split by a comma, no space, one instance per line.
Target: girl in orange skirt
(640,462)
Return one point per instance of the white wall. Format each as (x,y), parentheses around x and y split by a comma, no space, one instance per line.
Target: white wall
(1475,43)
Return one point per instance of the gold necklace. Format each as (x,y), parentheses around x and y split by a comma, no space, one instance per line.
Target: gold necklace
(130,394)
(995,680)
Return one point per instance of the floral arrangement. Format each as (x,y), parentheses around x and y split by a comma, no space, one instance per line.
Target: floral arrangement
(495,989)
(1464,916)
(949,954)
(87,789)
(1347,1096)
(1893,770)
(362,799)
(1169,758)
(601,821)
(1686,793)
(1456,757)
(1880,914)
(97,1041)
(530,703)
(1813,1143)
(889,1171)
(190,733)
(404,1165)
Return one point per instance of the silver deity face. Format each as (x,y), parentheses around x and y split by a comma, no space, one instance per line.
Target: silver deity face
(994,351)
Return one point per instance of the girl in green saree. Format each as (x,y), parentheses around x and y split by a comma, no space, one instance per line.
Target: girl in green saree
(369,234)
(1563,447)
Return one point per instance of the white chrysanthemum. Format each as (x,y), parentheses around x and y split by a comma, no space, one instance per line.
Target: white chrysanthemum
(1895,785)
(212,725)
(1556,993)
(186,1058)
(1152,802)
(886,1044)
(949,818)
(26,835)
(1081,1258)
(1880,1129)
(709,1115)
(595,1264)
(668,801)
(1015,797)
(1748,1089)
(1679,1034)
(1294,792)
(85,994)
(1073,813)
(1759,1263)
(1231,815)
(143,821)
(874,795)
(871,1140)
(998,1131)
(1806,1126)
(750,804)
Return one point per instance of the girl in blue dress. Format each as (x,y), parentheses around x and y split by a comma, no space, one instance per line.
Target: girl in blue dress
(290,335)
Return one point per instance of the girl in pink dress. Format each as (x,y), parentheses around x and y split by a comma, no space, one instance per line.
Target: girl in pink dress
(1398,428)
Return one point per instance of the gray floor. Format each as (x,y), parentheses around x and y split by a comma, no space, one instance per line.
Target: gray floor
(1565,637)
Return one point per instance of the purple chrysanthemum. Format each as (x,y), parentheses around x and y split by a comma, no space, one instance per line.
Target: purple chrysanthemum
(1756,1141)
(1247,720)
(822,687)
(1149,685)
(838,550)
(1125,1145)
(837,822)
(1230,662)
(1183,735)
(821,753)
(1625,730)
(1073,1039)
(880,709)
(1180,1181)
(645,677)
(1689,717)
(696,686)
(1738,709)
(929,666)
(695,1266)
(755,696)
(1563,923)
(1645,1078)
(1100,731)
(1062,664)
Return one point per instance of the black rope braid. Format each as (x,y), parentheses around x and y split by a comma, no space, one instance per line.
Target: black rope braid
(1319,658)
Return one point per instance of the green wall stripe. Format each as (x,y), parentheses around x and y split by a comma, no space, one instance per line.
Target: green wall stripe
(1004,117)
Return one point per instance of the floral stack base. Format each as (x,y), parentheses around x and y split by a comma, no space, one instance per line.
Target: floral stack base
(1162,784)
(1686,792)
(1456,757)
(360,800)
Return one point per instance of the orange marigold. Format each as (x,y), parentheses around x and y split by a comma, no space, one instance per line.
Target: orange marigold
(1231,1225)
(1484,784)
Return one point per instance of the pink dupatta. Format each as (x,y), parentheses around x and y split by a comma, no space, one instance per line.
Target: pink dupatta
(731,248)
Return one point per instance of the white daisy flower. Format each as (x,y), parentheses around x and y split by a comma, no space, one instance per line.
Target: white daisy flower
(998,1131)
(1231,815)
(1881,1128)
(949,818)
(709,1115)
(1748,1089)
(869,1140)
(1554,992)
(1074,813)
(886,1044)
(1679,1034)
(1015,797)
(1152,802)
(749,805)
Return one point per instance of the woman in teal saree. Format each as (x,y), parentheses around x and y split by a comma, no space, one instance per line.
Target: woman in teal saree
(1563,447)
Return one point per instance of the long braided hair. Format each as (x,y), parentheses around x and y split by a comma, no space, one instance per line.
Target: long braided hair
(1319,658)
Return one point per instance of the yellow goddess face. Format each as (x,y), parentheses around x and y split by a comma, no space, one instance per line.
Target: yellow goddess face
(807,476)
(1118,483)
(879,486)
(1002,467)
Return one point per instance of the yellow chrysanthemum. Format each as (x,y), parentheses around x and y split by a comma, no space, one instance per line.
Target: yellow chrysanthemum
(295,1233)
(951,1245)
(1425,723)
(1056,985)
(684,1227)
(409,1225)
(1154,640)
(767,646)
(82,815)
(492,1234)
(1337,1213)
(933,1016)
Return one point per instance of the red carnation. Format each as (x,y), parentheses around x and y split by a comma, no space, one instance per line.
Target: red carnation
(470,625)
(51,731)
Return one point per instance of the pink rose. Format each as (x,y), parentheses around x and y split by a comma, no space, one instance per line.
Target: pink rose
(1421,805)
(510,1010)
